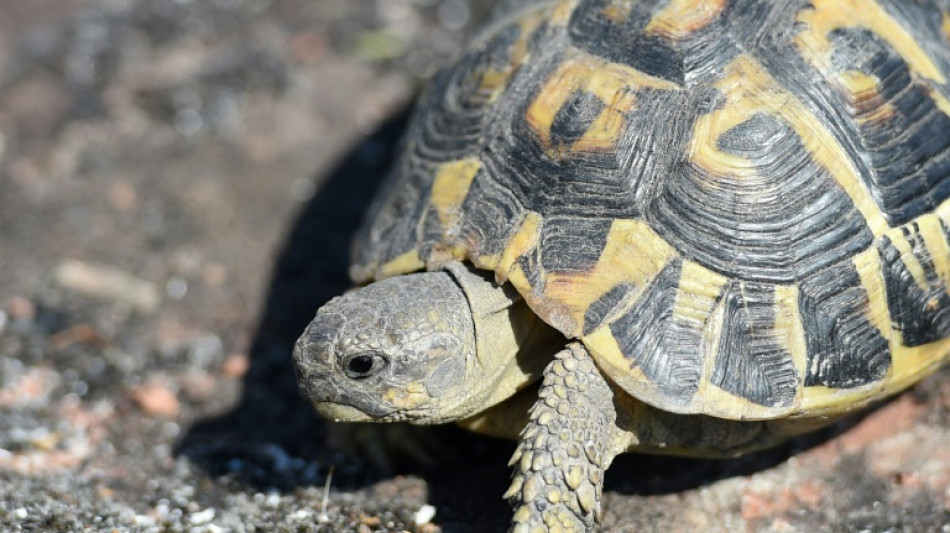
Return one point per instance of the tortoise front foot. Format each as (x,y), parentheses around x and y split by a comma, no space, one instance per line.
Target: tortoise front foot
(565,448)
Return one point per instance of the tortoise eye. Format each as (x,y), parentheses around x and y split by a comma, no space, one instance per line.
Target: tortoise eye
(364,365)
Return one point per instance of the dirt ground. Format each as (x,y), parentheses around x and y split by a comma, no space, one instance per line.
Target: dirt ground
(178,181)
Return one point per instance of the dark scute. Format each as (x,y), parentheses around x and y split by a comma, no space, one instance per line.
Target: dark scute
(784,221)
(609,183)
(574,118)
(751,362)
(570,183)
(753,136)
(440,129)
(497,51)
(626,43)
(490,212)
(603,306)
(529,265)
(647,338)
(455,111)
(925,24)
(688,59)
(792,218)
(910,149)
(844,349)
(396,210)
(449,123)
(922,316)
(494,55)
(655,142)
(545,37)
(454,120)
(431,234)
(573,244)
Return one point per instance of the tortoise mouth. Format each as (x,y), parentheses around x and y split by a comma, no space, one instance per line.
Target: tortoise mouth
(339,412)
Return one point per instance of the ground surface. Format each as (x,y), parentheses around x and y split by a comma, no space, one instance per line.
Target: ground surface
(178,179)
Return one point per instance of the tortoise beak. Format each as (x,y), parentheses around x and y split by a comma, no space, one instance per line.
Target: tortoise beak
(333,396)
(339,412)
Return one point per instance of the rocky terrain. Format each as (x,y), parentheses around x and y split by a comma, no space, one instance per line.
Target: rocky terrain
(178,182)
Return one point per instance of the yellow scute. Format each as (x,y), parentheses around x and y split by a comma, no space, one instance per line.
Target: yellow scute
(634,255)
(449,189)
(748,90)
(613,83)
(679,18)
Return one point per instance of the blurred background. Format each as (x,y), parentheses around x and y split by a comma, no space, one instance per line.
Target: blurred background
(178,183)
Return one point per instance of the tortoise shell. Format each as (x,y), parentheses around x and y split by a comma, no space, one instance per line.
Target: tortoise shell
(739,206)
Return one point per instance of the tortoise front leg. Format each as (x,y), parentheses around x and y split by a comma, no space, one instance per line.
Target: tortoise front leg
(565,448)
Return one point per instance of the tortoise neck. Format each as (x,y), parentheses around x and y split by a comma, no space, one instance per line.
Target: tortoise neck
(512,345)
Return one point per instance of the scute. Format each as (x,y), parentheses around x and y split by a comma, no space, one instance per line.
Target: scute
(751,360)
(740,207)
(653,341)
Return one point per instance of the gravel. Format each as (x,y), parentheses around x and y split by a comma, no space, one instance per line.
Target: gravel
(179,181)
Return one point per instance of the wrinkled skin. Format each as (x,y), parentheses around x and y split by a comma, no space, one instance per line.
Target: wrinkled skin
(408,348)
(427,348)
(395,350)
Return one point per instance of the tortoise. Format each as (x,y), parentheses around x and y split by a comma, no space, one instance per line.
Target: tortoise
(704,225)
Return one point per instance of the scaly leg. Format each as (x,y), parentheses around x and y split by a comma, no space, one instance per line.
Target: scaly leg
(569,441)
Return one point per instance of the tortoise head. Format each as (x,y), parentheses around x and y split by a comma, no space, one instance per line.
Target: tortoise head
(396,349)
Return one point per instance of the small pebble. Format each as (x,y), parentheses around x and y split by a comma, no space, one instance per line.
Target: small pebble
(236,365)
(214,274)
(176,288)
(453,14)
(122,196)
(76,334)
(201,517)
(301,515)
(20,513)
(156,398)
(371,521)
(199,386)
(280,461)
(107,283)
(424,515)
(21,308)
